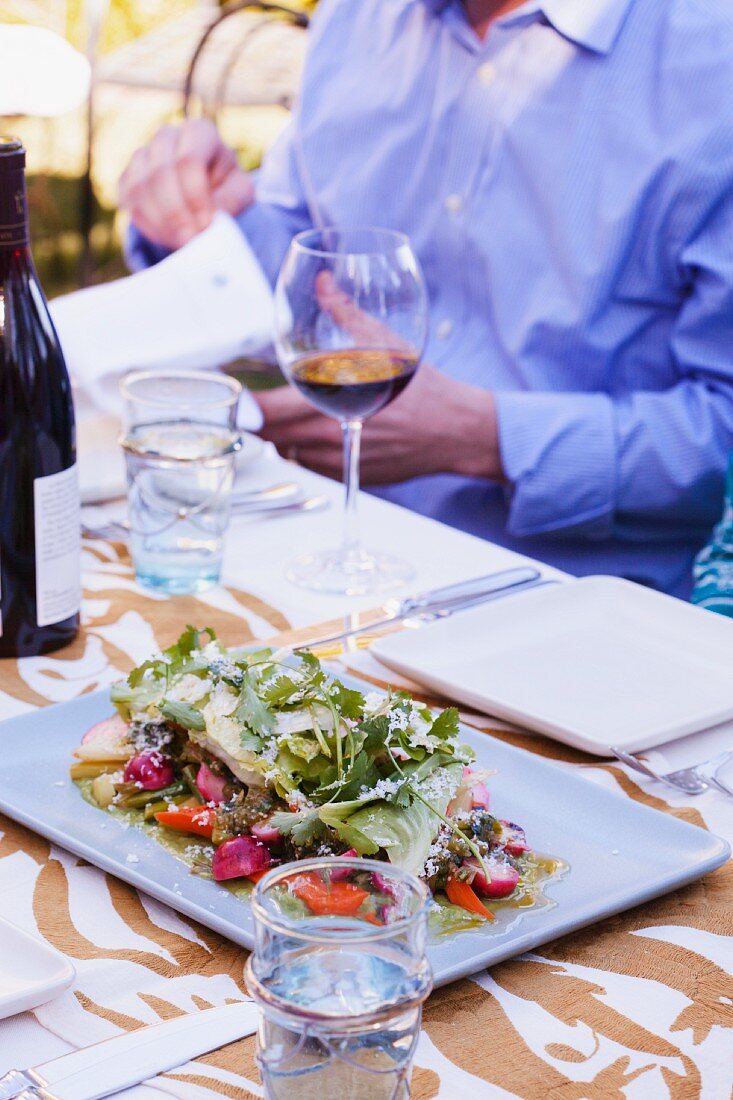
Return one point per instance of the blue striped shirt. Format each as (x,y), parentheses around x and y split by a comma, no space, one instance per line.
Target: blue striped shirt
(568,186)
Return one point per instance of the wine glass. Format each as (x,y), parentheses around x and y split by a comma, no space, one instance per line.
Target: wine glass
(350,327)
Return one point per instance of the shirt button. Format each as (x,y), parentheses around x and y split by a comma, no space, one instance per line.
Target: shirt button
(444,329)
(454,204)
(487,73)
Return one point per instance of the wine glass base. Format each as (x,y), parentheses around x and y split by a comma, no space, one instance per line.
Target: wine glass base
(349,575)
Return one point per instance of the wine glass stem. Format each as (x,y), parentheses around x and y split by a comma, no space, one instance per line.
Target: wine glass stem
(352,449)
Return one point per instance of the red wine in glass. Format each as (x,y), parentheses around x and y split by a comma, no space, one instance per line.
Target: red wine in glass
(350,326)
(353,383)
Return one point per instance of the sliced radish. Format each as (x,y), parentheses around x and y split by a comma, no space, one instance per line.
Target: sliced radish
(342,876)
(513,839)
(503,881)
(479,796)
(239,857)
(266,832)
(211,787)
(390,889)
(150,771)
(108,732)
(472,794)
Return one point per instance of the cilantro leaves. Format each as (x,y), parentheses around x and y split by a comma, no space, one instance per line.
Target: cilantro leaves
(369,771)
(183,714)
(251,711)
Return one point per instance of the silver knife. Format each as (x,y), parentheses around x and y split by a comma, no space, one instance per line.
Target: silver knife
(438,603)
(129,1059)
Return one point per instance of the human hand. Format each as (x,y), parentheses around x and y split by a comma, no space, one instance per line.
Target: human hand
(174,185)
(437,425)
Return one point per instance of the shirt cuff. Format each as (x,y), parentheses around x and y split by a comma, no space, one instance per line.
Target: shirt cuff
(139,252)
(267,235)
(559,452)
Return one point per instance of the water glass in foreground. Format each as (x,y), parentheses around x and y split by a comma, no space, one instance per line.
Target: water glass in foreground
(180,446)
(340,975)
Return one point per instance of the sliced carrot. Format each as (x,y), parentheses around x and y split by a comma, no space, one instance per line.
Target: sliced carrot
(255,876)
(341,899)
(188,819)
(307,879)
(463,894)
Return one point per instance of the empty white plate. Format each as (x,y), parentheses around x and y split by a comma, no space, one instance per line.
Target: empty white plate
(31,972)
(593,662)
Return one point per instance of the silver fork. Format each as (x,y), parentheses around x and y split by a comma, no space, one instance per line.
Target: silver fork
(693,780)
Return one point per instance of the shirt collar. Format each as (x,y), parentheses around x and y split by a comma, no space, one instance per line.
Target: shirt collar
(595,25)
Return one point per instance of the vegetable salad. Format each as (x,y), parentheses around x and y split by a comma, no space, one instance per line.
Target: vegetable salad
(260,757)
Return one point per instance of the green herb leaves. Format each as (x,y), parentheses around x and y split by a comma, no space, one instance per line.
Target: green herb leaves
(446,725)
(376,773)
(304,827)
(250,709)
(183,714)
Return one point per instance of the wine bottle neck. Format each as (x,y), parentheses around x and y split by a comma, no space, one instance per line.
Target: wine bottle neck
(13,207)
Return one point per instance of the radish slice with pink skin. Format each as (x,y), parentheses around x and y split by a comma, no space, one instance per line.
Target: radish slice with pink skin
(479,796)
(150,771)
(210,786)
(479,790)
(267,833)
(384,885)
(472,794)
(110,731)
(504,879)
(513,838)
(342,876)
(239,857)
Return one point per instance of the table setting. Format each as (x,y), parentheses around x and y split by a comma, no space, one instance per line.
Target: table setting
(300,814)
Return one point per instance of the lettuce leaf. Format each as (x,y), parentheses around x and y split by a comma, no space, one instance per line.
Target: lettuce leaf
(444,918)
(335,815)
(404,832)
(307,748)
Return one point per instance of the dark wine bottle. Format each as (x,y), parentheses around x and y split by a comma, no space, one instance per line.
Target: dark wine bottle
(40,589)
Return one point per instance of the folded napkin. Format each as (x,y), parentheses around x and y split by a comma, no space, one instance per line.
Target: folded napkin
(202,306)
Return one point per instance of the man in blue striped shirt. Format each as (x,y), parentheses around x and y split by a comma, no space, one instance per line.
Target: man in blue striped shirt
(565,171)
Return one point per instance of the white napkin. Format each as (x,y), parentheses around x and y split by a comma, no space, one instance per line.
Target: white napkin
(204,305)
(41,74)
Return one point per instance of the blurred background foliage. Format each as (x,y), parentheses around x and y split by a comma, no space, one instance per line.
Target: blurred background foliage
(125,117)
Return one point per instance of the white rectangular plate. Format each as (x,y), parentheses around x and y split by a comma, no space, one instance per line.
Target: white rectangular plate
(31,972)
(619,852)
(594,662)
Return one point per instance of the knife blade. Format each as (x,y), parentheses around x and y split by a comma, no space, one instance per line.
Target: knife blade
(440,602)
(128,1059)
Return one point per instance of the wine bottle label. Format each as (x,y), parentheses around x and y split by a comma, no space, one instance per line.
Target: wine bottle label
(13,211)
(58,564)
